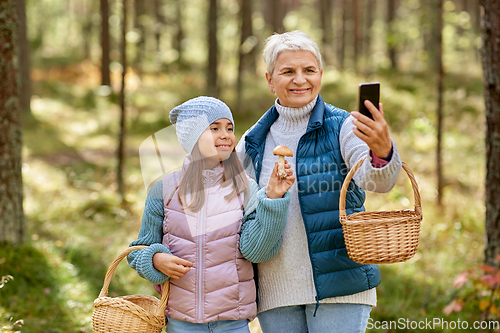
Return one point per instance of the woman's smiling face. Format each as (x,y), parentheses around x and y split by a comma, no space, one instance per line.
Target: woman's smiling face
(296,78)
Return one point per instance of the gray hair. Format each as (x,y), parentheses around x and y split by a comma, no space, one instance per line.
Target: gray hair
(293,41)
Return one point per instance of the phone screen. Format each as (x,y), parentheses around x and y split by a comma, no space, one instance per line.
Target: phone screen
(371,92)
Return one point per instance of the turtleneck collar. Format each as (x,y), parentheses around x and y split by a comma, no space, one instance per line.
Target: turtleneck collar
(210,176)
(293,120)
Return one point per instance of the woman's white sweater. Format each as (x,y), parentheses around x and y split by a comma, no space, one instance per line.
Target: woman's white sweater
(287,279)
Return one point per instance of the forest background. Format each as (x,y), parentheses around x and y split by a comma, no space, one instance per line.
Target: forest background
(83,187)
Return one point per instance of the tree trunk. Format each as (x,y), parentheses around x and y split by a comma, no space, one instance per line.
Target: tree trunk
(246,47)
(275,19)
(87,11)
(391,38)
(12,223)
(179,35)
(139,27)
(159,23)
(274,13)
(476,15)
(24,60)
(440,78)
(212,50)
(121,135)
(105,80)
(358,32)
(428,28)
(326,17)
(490,24)
(371,7)
(341,26)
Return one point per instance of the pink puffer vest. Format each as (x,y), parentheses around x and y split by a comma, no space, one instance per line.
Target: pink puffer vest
(220,286)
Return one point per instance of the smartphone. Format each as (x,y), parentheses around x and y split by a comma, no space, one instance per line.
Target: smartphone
(371,92)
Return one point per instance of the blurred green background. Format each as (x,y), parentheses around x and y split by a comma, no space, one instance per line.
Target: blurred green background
(77,223)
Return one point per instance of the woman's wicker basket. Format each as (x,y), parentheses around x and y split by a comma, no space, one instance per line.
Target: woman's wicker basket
(135,313)
(383,237)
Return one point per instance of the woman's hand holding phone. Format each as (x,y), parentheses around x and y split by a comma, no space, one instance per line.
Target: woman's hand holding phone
(374,132)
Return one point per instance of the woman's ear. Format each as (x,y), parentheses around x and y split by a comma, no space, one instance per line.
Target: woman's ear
(269,82)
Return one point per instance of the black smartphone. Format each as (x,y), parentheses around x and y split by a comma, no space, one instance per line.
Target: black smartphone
(371,92)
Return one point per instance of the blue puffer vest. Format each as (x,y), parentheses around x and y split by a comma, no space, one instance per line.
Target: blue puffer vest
(320,173)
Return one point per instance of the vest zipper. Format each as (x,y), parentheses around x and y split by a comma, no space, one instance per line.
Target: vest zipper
(305,227)
(200,265)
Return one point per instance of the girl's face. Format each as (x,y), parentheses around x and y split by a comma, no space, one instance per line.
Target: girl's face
(217,142)
(296,78)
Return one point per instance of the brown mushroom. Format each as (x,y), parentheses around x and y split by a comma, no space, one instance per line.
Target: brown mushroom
(282,151)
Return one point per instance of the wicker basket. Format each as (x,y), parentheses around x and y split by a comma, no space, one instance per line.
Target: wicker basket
(383,237)
(135,313)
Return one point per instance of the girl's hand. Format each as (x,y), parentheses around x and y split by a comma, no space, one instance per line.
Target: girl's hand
(170,265)
(374,132)
(277,187)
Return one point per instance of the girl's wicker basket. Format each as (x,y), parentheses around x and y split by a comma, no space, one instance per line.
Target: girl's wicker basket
(135,313)
(381,237)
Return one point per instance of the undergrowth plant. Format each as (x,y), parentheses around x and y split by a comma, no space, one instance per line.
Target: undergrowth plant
(11,326)
(5,279)
(477,293)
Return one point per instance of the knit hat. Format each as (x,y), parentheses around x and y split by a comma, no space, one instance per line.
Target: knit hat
(192,118)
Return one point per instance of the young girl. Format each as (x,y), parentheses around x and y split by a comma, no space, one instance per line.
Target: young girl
(206,224)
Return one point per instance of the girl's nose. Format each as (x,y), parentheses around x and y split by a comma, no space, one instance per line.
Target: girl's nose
(223,133)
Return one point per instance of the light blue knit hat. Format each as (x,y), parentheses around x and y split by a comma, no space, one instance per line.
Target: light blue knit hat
(192,118)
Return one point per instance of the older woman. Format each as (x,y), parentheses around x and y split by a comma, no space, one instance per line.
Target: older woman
(312,285)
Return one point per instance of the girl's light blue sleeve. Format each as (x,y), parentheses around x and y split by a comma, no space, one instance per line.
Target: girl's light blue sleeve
(263,223)
(151,235)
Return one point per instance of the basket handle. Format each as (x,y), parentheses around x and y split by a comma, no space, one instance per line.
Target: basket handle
(357,166)
(111,271)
